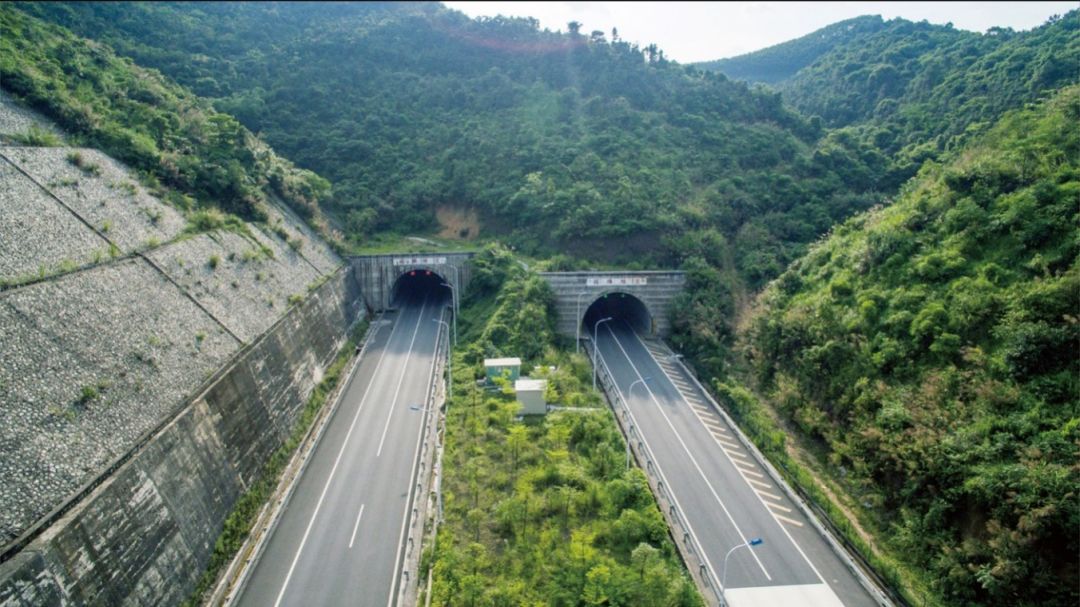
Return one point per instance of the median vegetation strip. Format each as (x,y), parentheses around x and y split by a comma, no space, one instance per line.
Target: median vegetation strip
(238,524)
(541,510)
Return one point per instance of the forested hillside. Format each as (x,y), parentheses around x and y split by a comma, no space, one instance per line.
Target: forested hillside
(928,348)
(778,63)
(576,143)
(931,348)
(408,108)
(913,90)
(920,81)
(196,157)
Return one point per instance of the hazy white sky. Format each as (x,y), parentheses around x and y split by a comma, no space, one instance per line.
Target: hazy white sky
(701,31)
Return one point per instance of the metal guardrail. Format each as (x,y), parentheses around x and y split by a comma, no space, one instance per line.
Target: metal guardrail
(653,472)
(407,581)
(818,518)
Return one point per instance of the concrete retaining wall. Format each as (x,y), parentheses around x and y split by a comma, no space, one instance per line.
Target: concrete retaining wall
(144,536)
(146,373)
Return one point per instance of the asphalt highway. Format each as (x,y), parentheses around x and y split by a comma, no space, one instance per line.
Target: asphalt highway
(726,498)
(340,538)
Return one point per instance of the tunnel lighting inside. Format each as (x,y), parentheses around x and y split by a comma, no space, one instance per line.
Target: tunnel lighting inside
(414,286)
(619,306)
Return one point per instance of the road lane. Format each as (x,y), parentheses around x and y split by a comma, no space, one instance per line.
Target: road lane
(339,539)
(723,494)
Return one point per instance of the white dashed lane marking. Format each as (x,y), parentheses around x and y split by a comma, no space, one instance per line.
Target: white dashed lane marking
(772,505)
(751,472)
(787,520)
(759,483)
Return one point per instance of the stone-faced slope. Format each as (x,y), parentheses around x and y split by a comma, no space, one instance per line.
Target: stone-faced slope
(121,315)
(102,192)
(38,236)
(306,242)
(90,362)
(16,121)
(246,282)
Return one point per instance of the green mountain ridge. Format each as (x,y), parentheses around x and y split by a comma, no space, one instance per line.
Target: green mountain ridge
(407,108)
(778,63)
(930,347)
(926,347)
(925,81)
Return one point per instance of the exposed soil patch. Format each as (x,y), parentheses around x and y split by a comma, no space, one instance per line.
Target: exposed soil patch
(457,223)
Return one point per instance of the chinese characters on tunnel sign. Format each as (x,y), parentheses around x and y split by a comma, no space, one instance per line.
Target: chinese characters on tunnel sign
(617,281)
(419,261)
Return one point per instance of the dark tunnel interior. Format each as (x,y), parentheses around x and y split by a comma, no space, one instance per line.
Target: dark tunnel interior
(621,306)
(412,287)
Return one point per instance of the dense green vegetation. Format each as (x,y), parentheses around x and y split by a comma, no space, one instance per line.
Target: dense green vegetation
(406,108)
(204,159)
(920,80)
(778,63)
(542,511)
(931,348)
(617,153)
(928,349)
(913,90)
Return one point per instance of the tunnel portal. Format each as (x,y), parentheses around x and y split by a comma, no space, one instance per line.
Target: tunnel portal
(413,286)
(622,306)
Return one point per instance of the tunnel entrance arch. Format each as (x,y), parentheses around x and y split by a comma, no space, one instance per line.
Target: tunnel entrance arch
(622,306)
(415,284)
(575,291)
(377,274)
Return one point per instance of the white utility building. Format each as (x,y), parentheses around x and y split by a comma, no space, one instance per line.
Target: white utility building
(530,393)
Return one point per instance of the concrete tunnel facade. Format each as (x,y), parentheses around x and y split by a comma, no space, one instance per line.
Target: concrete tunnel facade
(618,306)
(577,292)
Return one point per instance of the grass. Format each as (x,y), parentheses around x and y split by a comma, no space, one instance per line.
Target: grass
(77,160)
(771,440)
(208,220)
(238,524)
(64,266)
(397,243)
(37,137)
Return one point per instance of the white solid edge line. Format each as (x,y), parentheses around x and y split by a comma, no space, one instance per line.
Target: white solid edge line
(774,515)
(416,456)
(356,526)
(337,461)
(660,471)
(401,380)
(693,460)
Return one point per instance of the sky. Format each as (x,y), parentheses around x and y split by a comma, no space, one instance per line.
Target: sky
(702,31)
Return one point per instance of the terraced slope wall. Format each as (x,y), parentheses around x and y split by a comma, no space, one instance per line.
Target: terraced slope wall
(146,371)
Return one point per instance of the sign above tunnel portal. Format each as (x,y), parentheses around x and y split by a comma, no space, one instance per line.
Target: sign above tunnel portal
(616,281)
(575,292)
(419,261)
(377,274)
